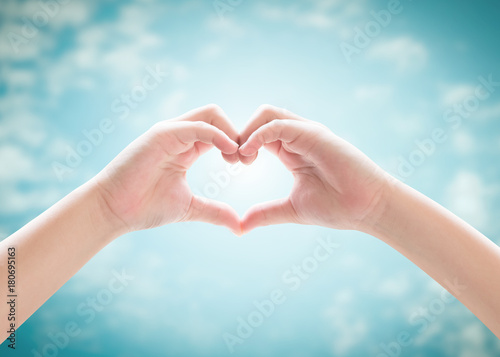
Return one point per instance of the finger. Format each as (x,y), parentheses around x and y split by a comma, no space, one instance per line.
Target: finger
(263,115)
(203,148)
(299,137)
(214,115)
(273,148)
(267,213)
(206,210)
(180,136)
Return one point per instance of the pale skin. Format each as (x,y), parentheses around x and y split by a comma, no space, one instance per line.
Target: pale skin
(143,187)
(335,186)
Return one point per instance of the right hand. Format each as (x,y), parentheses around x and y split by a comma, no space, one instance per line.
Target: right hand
(335,185)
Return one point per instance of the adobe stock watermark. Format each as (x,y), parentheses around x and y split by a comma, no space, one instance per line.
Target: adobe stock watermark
(292,278)
(454,116)
(364,36)
(32,24)
(122,107)
(87,312)
(220,180)
(221,7)
(422,318)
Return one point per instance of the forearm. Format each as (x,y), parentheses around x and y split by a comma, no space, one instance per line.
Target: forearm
(53,247)
(453,253)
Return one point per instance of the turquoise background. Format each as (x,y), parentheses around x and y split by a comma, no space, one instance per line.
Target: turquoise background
(192,281)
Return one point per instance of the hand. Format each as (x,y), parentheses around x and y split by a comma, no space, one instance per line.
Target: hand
(145,185)
(335,185)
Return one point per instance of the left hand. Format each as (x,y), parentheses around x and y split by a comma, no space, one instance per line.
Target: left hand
(145,185)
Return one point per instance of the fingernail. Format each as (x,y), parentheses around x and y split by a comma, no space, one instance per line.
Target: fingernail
(243,149)
(234,149)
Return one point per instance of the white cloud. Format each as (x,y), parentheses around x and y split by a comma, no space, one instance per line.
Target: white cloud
(408,125)
(467,198)
(4,233)
(351,261)
(455,94)
(463,142)
(22,127)
(344,297)
(74,13)
(170,107)
(225,31)
(17,201)
(434,328)
(228,27)
(488,112)
(18,78)
(180,72)
(471,340)
(323,15)
(172,104)
(30,49)
(22,139)
(57,16)
(349,327)
(95,51)
(118,50)
(211,51)
(404,52)
(394,287)
(15,164)
(315,19)
(373,93)
(13,101)
(471,352)
(473,334)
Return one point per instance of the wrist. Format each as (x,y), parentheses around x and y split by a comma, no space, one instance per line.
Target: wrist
(383,214)
(106,222)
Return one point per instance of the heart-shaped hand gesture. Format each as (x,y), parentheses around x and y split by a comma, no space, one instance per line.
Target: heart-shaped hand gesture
(145,185)
(335,186)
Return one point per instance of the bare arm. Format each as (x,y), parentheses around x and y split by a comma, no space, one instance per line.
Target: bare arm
(452,252)
(337,186)
(52,248)
(143,187)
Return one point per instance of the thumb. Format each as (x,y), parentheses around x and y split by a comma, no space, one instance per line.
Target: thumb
(268,213)
(203,209)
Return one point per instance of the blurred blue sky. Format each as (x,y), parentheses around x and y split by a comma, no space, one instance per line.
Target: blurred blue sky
(192,282)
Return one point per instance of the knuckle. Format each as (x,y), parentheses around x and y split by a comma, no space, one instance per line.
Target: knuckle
(201,125)
(276,124)
(212,109)
(159,129)
(322,126)
(266,110)
(196,207)
(157,126)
